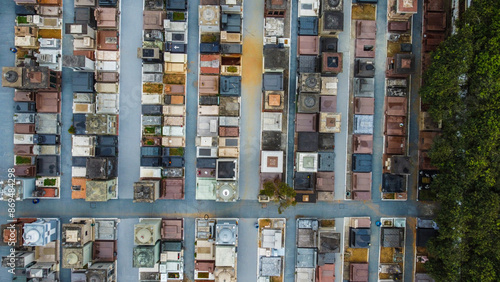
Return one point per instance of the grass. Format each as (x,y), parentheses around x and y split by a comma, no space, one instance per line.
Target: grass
(390,196)
(49,182)
(152,88)
(386,255)
(356,255)
(22,19)
(149,129)
(176,152)
(174,79)
(427,195)
(178,16)
(393,48)
(203,275)
(327,223)
(23,160)
(364,12)
(49,33)
(232,69)
(209,38)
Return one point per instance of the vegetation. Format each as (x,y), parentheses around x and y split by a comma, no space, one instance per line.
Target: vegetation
(176,151)
(22,19)
(149,129)
(232,69)
(178,16)
(72,130)
(152,88)
(280,193)
(462,87)
(174,79)
(23,160)
(49,182)
(209,38)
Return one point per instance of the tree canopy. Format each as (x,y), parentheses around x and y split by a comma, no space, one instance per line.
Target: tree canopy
(280,193)
(462,88)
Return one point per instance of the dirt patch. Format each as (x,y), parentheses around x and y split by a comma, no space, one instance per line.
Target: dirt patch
(356,255)
(364,12)
(393,48)
(152,88)
(386,255)
(252,62)
(174,79)
(50,33)
(327,223)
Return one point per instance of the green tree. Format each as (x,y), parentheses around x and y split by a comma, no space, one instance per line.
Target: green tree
(462,88)
(279,192)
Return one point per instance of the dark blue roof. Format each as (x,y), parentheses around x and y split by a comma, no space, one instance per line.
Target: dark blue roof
(83,82)
(308,26)
(326,161)
(361,162)
(209,47)
(231,22)
(150,161)
(304,181)
(273,81)
(205,163)
(108,3)
(230,85)
(79,123)
(175,47)
(150,151)
(103,140)
(47,165)
(359,238)
(22,10)
(106,151)
(172,161)
(176,5)
(79,161)
(393,183)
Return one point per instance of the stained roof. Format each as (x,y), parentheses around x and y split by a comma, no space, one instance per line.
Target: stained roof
(366,29)
(325,181)
(307,142)
(362,144)
(392,237)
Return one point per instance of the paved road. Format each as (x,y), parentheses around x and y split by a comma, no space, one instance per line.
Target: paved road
(251,94)
(247,209)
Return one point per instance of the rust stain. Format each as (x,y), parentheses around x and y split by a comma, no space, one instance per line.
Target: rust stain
(252,62)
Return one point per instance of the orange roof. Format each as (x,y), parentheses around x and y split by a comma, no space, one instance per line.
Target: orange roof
(50,2)
(82,182)
(274,100)
(176,100)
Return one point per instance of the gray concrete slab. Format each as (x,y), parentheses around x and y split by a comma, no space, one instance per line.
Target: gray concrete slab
(251,94)
(129,132)
(191,102)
